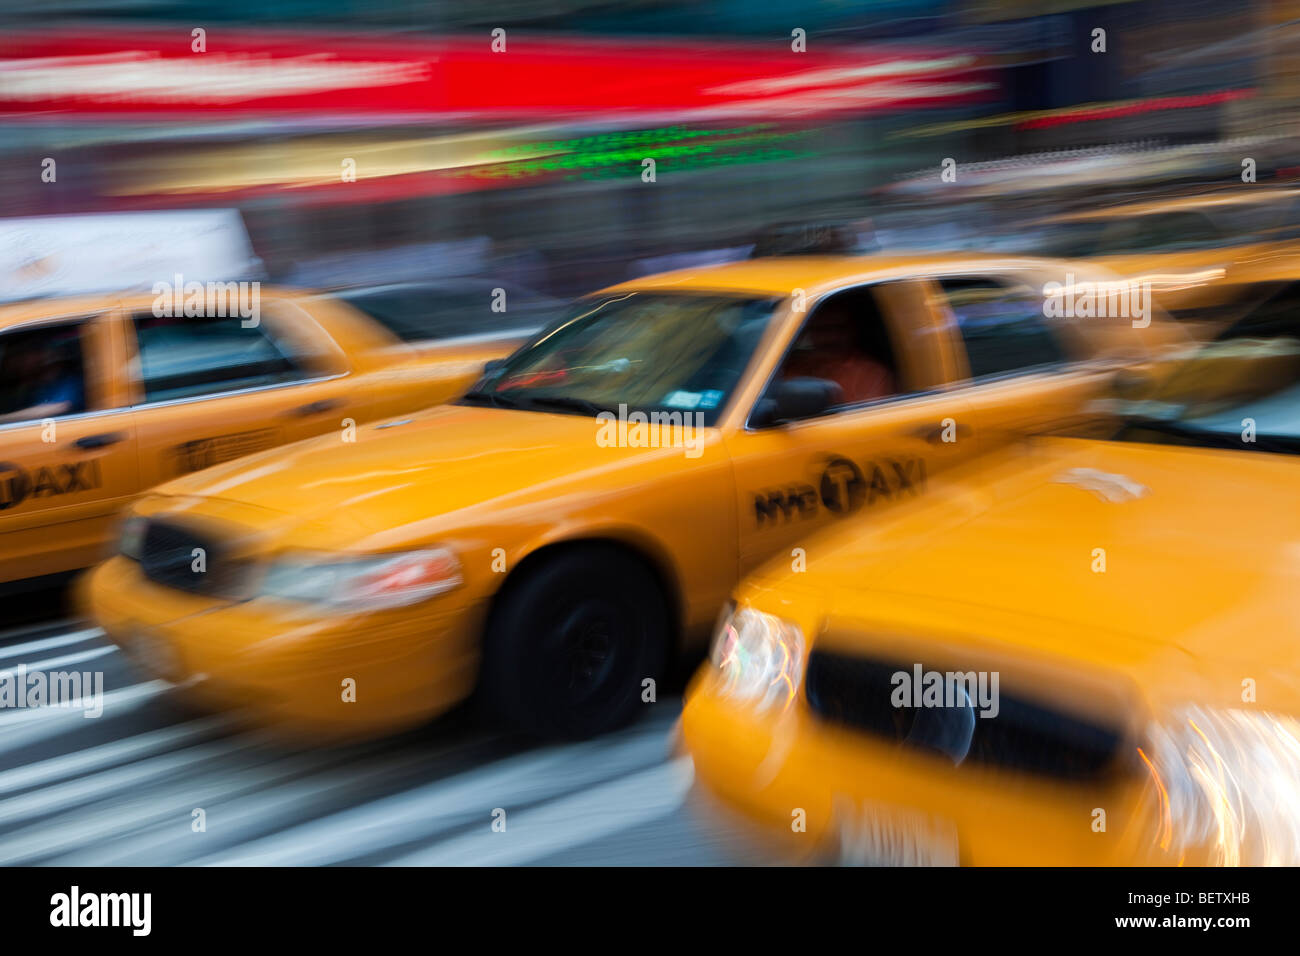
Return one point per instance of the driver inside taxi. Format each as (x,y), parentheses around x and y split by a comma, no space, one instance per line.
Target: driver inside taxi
(831,348)
(44,381)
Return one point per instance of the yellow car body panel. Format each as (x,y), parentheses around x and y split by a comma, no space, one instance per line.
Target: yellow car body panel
(997,571)
(59,499)
(287,667)
(497,486)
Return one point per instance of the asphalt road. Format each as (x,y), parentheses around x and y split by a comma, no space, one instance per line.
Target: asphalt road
(123,788)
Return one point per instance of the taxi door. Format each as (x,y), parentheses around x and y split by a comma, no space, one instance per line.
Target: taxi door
(795,478)
(67,444)
(210,389)
(1018,372)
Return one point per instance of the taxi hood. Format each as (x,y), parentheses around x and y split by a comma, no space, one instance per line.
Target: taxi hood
(1114,552)
(436,462)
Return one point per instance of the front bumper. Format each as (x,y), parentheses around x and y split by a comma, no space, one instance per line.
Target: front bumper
(293,665)
(806,784)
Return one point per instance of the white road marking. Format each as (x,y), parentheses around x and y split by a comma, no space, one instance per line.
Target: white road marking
(128,801)
(116,811)
(78,658)
(268,809)
(134,695)
(118,751)
(391,820)
(169,839)
(538,831)
(45,644)
(467,797)
(107,783)
(36,628)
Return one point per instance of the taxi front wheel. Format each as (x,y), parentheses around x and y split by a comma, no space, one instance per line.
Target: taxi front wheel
(571,641)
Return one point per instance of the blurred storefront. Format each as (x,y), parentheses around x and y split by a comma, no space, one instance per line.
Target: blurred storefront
(541,150)
(596,152)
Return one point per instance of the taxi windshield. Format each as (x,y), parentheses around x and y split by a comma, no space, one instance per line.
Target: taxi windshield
(1241,391)
(646,351)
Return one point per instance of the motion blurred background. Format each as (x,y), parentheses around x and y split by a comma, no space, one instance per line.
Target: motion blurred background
(526,163)
(408,144)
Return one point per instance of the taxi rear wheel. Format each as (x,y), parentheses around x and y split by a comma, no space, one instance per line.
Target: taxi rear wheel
(570,643)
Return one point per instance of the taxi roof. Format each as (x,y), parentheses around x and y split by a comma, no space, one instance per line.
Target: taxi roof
(54,308)
(780,275)
(777,276)
(1225,198)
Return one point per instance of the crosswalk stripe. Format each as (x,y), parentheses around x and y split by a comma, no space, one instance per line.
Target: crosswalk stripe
(423,811)
(45,644)
(115,752)
(581,818)
(44,627)
(106,783)
(80,657)
(133,694)
(77,828)
(246,816)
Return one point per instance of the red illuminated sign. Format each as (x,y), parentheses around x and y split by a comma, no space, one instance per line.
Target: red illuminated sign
(156,75)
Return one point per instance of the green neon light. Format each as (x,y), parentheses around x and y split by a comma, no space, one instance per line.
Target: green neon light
(744,144)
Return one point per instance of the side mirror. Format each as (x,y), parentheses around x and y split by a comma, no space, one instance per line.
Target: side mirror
(491,365)
(795,398)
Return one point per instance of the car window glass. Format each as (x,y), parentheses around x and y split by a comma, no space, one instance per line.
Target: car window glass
(42,373)
(1069,239)
(182,357)
(845,341)
(1246,382)
(1175,230)
(1001,325)
(643,350)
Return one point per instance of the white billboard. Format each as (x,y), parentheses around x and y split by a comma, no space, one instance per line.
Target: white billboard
(116,252)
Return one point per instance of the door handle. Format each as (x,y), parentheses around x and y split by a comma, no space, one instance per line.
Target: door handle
(315,408)
(102,440)
(934,433)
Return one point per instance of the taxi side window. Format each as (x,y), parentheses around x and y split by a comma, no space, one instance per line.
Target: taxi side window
(42,373)
(184,357)
(845,341)
(1176,230)
(1002,327)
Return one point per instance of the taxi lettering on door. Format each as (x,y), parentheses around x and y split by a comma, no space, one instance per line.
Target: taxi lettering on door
(843,488)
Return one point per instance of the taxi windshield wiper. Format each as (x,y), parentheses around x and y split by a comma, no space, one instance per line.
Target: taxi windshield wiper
(479,397)
(560,403)
(520,399)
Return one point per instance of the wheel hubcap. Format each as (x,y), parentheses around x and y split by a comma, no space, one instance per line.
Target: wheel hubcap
(589,638)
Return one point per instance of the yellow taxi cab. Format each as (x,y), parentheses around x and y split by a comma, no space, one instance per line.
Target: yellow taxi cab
(1202,255)
(1078,651)
(101,399)
(583,512)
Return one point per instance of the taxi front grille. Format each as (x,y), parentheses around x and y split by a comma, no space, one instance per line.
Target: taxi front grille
(1023,736)
(175,556)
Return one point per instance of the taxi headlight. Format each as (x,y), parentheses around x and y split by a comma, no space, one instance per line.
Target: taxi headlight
(759,658)
(370,582)
(130,539)
(1228,781)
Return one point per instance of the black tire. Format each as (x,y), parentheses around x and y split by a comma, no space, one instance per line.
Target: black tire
(570,641)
